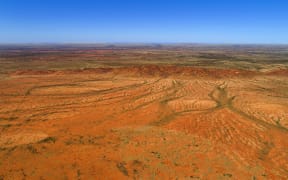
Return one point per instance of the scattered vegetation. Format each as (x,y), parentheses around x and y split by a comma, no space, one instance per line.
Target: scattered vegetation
(122,168)
(48,140)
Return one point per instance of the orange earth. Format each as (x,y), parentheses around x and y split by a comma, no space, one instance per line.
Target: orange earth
(144,122)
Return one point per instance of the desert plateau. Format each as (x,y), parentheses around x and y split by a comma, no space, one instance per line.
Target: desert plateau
(144,111)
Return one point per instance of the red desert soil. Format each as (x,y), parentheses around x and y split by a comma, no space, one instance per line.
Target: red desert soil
(144,122)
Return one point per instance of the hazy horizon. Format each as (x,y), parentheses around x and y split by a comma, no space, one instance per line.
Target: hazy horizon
(140,43)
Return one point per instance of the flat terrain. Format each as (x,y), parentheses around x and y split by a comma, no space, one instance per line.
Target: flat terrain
(143,112)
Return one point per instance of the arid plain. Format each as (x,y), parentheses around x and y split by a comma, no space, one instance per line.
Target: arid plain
(143,112)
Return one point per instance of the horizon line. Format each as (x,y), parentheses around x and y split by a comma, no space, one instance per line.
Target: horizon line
(134,43)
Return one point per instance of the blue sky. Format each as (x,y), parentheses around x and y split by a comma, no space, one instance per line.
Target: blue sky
(162,21)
